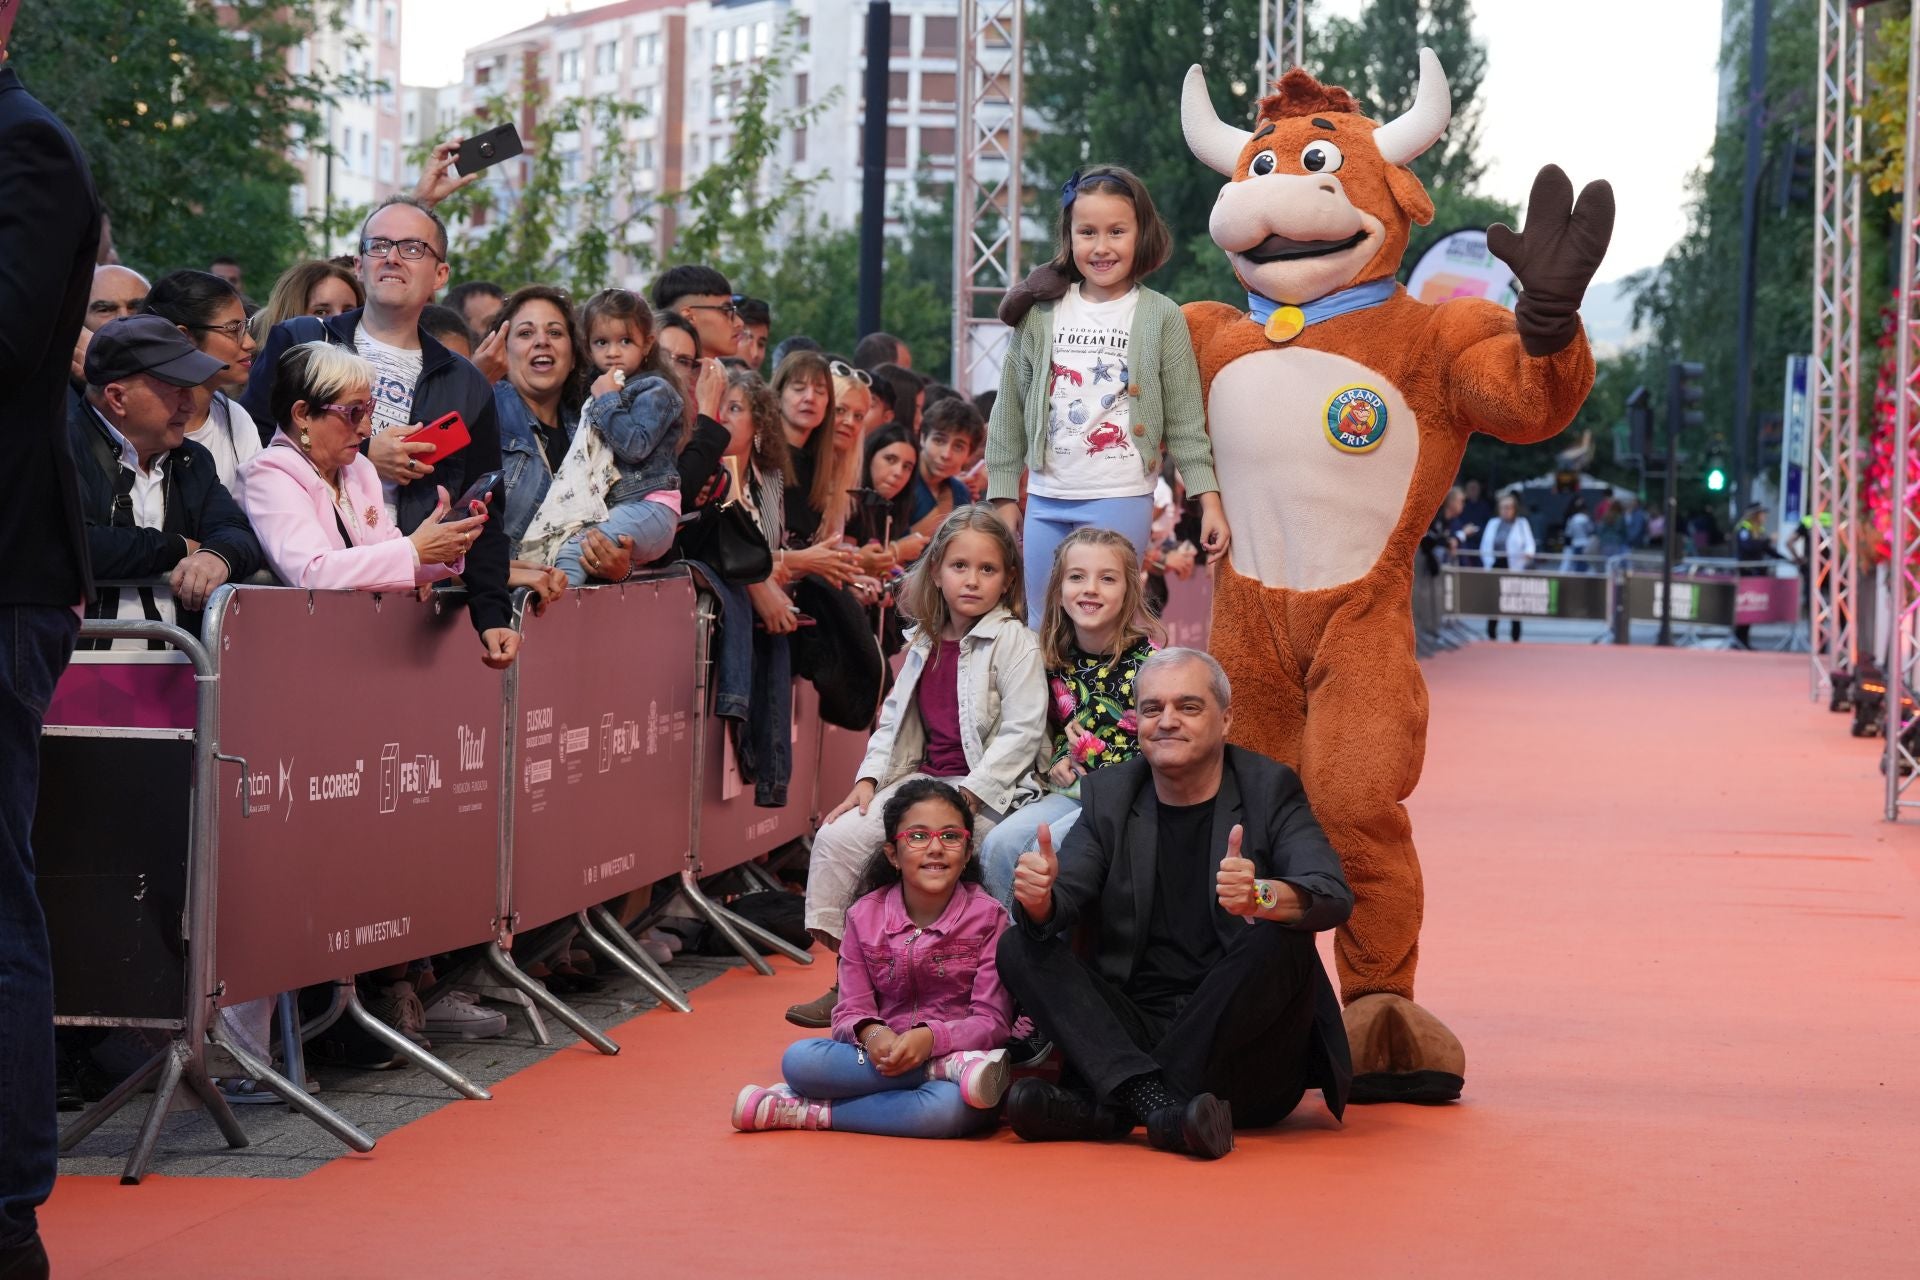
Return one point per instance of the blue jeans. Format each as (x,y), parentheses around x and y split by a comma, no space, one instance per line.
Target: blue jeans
(1050,520)
(1018,832)
(864,1101)
(732,651)
(765,747)
(35,643)
(651,525)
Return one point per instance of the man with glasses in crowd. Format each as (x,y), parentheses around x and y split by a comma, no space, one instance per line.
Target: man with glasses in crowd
(705,298)
(403,264)
(49,236)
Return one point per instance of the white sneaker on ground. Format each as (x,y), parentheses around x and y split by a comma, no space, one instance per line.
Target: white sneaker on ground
(759,1108)
(982,1075)
(458,1015)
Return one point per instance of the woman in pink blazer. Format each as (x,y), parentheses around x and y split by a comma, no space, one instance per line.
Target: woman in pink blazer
(314,499)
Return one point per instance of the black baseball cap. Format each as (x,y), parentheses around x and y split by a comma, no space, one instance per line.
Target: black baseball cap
(134,345)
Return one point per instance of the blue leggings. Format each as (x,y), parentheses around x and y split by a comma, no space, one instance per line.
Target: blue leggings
(864,1101)
(1050,520)
(651,525)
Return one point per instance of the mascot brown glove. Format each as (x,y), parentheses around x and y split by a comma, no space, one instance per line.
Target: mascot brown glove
(1555,257)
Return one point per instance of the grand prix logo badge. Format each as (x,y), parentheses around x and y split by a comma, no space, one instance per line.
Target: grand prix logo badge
(1356,419)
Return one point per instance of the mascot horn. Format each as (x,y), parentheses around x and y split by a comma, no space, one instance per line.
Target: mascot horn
(1339,409)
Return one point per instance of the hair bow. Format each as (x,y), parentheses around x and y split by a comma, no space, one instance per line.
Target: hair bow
(1069,189)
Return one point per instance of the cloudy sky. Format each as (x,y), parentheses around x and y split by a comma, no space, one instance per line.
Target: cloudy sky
(1552,94)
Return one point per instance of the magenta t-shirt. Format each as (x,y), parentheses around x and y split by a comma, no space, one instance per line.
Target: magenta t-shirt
(939,697)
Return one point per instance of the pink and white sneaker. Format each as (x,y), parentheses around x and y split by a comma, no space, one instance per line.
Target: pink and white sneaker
(763,1107)
(982,1075)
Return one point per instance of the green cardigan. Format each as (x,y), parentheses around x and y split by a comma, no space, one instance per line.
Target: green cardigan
(1165,391)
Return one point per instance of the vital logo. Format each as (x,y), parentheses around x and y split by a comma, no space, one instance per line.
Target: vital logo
(473,749)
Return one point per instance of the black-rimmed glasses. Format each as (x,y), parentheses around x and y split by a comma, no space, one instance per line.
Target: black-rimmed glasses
(410,250)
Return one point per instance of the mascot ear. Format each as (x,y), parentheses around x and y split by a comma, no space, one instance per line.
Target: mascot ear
(1409,194)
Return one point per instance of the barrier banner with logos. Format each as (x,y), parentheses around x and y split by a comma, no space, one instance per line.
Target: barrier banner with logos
(602,715)
(1497,593)
(733,829)
(366,831)
(1716,600)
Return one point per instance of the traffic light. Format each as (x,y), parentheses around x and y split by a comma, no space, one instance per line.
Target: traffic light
(1716,480)
(1794,180)
(1684,394)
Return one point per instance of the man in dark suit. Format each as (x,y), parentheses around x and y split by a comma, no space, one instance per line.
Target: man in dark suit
(49,233)
(154,504)
(1203,876)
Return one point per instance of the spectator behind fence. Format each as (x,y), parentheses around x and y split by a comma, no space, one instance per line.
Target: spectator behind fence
(1507,544)
(403,249)
(154,504)
(704,297)
(315,499)
(209,312)
(877,349)
(228,269)
(882,523)
(50,235)
(950,433)
(1201,1005)
(787,346)
(1581,538)
(756,321)
(916,1044)
(969,706)
(909,394)
(816,502)
(117,291)
(1477,510)
(620,476)
(316,288)
(446,327)
(1094,635)
(702,385)
(478,302)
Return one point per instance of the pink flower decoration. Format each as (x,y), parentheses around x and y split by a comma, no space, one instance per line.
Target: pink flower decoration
(1130,722)
(1063,699)
(1082,745)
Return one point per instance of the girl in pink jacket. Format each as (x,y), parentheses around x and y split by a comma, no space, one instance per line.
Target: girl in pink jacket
(314,500)
(917,1038)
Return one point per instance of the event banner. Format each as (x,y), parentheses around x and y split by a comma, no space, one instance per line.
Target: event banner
(1457,265)
(604,701)
(1718,601)
(1494,593)
(366,830)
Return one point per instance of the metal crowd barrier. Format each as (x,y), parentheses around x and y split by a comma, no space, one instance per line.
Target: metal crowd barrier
(387,797)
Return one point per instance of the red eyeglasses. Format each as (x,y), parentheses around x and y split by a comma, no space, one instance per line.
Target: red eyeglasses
(921,837)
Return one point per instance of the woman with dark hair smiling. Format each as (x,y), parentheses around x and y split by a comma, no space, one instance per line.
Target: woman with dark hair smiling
(209,311)
(538,404)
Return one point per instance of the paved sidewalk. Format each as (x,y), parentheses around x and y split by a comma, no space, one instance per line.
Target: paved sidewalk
(285,1144)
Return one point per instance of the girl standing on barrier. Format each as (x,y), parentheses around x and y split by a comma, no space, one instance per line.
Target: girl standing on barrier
(915,1050)
(969,706)
(621,472)
(1095,635)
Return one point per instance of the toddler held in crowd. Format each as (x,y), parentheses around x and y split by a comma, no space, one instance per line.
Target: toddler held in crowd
(916,1046)
(621,473)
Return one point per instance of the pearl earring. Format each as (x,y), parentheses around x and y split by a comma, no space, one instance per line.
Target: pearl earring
(305,442)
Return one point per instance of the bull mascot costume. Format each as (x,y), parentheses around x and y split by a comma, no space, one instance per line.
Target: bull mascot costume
(1339,408)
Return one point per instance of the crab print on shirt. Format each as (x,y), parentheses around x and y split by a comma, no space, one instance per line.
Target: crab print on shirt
(1091,448)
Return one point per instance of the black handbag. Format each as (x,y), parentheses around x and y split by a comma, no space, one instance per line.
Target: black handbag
(729,540)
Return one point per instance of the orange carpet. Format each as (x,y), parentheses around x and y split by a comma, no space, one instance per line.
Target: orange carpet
(1679,948)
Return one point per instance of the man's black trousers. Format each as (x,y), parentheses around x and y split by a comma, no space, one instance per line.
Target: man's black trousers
(1243,1034)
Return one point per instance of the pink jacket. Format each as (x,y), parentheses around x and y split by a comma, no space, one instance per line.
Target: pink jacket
(293,515)
(942,977)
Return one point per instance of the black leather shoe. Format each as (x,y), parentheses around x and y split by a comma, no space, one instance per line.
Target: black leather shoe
(25,1261)
(1044,1112)
(1202,1127)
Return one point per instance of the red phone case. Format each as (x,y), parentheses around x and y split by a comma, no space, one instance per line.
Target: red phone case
(447,435)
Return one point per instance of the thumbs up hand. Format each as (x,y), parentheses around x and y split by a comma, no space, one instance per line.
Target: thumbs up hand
(1033,878)
(1234,884)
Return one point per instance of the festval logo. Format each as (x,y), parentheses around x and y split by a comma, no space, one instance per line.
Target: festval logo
(1356,419)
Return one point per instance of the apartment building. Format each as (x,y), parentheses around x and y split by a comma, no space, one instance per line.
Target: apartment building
(683,60)
(368,157)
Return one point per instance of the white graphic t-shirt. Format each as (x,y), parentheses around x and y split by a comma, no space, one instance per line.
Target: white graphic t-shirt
(395,370)
(1090,441)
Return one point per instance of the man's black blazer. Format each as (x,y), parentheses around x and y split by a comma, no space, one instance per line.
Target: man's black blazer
(1107,877)
(49,237)
(198,507)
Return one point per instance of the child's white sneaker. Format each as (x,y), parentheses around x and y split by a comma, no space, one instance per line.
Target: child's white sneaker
(982,1075)
(763,1107)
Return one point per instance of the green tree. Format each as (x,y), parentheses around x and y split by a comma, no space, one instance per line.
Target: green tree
(185,110)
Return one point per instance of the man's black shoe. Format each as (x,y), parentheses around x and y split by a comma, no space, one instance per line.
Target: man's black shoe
(1029,1050)
(1202,1127)
(25,1261)
(1043,1112)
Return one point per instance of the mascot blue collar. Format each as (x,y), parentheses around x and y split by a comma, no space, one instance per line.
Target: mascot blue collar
(1339,303)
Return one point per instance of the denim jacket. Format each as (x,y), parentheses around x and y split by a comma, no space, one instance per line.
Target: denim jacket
(522,462)
(942,977)
(641,424)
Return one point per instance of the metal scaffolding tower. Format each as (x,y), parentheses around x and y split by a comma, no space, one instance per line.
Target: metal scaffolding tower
(987,194)
(1283,42)
(1835,501)
(1903,538)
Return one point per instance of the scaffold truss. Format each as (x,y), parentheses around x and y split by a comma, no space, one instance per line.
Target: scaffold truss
(1903,534)
(1283,41)
(987,185)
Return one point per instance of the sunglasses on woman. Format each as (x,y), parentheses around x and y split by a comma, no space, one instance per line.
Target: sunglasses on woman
(354,414)
(841,369)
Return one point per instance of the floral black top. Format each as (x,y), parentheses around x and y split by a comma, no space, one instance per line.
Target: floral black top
(1093,705)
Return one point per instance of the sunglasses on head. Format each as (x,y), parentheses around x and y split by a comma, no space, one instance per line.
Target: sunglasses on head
(841,369)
